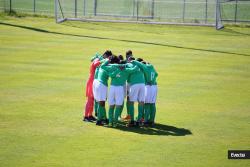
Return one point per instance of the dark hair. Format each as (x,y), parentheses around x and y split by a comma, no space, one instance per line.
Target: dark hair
(107,53)
(114,59)
(144,62)
(139,59)
(120,57)
(123,62)
(129,54)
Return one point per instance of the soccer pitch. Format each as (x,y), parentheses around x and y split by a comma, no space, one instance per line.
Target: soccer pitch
(203,107)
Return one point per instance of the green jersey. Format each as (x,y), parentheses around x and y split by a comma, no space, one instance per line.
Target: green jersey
(103,74)
(119,72)
(97,69)
(136,77)
(149,72)
(119,77)
(96,72)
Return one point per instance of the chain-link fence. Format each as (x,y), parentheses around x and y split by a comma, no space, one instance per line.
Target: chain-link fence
(172,11)
(202,12)
(41,7)
(235,10)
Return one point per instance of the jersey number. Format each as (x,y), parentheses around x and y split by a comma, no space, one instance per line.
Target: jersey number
(152,76)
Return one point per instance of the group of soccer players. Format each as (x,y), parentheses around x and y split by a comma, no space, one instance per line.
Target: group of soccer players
(131,79)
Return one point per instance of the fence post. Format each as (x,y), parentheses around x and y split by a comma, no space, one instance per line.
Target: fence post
(10,6)
(56,4)
(133,8)
(84,7)
(153,9)
(34,6)
(184,10)
(95,7)
(75,8)
(236,11)
(137,10)
(206,13)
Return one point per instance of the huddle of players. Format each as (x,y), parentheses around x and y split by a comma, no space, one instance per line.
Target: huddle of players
(134,79)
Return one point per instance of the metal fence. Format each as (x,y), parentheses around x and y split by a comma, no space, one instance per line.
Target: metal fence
(41,7)
(202,12)
(175,11)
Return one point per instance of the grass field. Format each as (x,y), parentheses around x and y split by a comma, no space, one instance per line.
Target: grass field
(203,107)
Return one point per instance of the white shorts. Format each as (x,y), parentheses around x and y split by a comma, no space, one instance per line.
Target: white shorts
(94,88)
(150,93)
(116,95)
(100,91)
(137,93)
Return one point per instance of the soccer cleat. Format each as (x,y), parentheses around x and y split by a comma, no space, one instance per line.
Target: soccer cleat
(110,125)
(127,118)
(86,119)
(150,123)
(99,123)
(92,118)
(146,124)
(105,121)
(131,124)
(114,125)
(139,123)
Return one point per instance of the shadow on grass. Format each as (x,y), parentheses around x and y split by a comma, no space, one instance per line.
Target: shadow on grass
(231,31)
(157,129)
(122,40)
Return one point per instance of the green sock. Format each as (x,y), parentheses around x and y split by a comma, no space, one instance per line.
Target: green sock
(104,116)
(118,110)
(111,114)
(127,105)
(100,111)
(147,111)
(140,111)
(96,107)
(152,112)
(131,111)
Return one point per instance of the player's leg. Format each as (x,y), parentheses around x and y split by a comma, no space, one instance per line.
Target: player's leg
(111,100)
(88,104)
(141,99)
(100,112)
(119,98)
(85,112)
(154,91)
(101,97)
(94,94)
(147,104)
(95,106)
(128,117)
(91,108)
(122,107)
(133,96)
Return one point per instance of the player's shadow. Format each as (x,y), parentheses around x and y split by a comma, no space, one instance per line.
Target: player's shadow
(157,129)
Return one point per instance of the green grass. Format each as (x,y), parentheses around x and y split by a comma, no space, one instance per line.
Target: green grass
(204,88)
